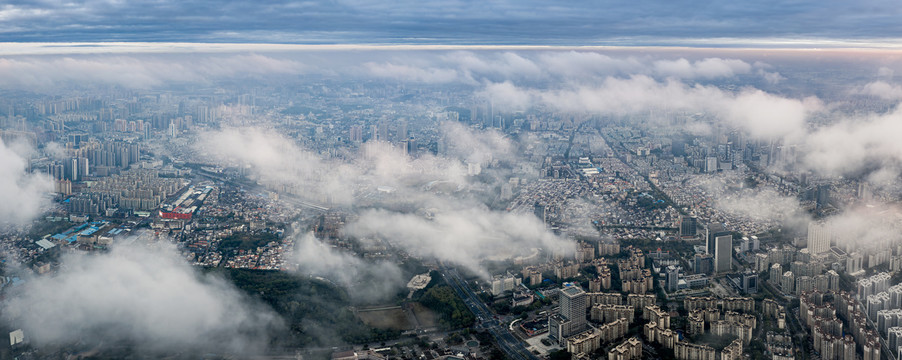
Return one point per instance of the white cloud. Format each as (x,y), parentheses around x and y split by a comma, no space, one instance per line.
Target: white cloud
(373,280)
(866,228)
(24,194)
(578,65)
(280,163)
(880,89)
(765,205)
(412,73)
(464,236)
(148,71)
(772,78)
(146,295)
(708,68)
(855,144)
(476,146)
(764,115)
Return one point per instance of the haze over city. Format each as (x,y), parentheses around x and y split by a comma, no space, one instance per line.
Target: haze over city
(450,180)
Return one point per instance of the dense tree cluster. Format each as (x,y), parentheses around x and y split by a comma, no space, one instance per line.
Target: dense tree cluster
(452,312)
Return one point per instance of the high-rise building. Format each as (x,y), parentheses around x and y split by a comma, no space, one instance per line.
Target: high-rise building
(412,146)
(710,231)
(688,226)
(711,164)
(823,196)
(356,134)
(819,236)
(723,252)
(573,305)
(788,283)
(402,131)
(703,263)
(673,278)
(749,282)
(776,274)
(571,318)
(382,132)
(853,262)
(83,168)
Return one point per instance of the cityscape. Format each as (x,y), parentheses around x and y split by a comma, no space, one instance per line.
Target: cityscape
(402,192)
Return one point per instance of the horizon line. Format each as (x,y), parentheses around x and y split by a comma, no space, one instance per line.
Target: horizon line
(726,44)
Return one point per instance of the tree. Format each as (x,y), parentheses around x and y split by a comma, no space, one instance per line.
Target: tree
(453,313)
(559,355)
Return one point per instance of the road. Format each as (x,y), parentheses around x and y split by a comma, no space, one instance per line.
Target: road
(507,342)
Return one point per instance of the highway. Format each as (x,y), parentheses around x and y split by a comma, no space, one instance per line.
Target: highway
(507,342)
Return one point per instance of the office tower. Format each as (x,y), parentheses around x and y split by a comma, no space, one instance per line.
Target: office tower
(356,134)
(688,226)
(819,236)
(573,305)
(710,231)
(749,282)
(412,146)
(571,318)
(703,263)
(673,278)
(401,135)
(711,164)
(823,196)
(723,252)
(72,169)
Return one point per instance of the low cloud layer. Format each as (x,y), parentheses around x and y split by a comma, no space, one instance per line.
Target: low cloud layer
(465,237)
(880,89)
(874,228)
(142,295)
(175,66)
(24,194)
(580,67)
(856,145)
(763,115)
(707,68)
(764,206)
(371,280)
(281,163)
(462,231)
(141,72)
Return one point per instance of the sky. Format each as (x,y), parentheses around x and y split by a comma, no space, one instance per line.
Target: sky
(507,22)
